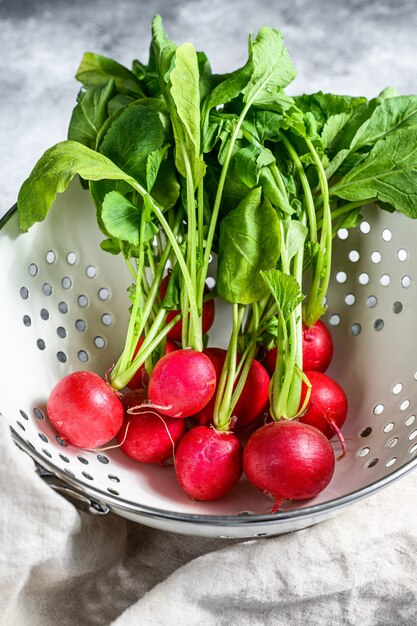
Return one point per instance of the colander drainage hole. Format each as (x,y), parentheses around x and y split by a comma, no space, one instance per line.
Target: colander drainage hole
(364,451)
(397,307)
(114,492)
(50,257)
(372,301)
(412,435)
(366,432)
(83,356)
(392,442)
(20,425)
(64,458)
(61,441)
(391,461)
(61,356)
(402,255)
(397,388)
(413,449)
(41,344)
(47,453)
(404,405)
(67,471)
(103,459)
(103,293)
(388,427)
(372,463)
(24,293)
(386,234)
(33,269)
(38,413)
(71,258)
(99,342)
(113,478)
(91,271)
(365,227)
(107,319)
(63,307)
(334,320)
(80,325)
(82,301)
(378,409)
(406,282)
(43,437)
(87,475)
(350,299)
(66,282)
(355,329)
(45,314)
(47,289)
(26,320)
(82,459)
(61,332)
(24,415)
(379,324)
(410,420)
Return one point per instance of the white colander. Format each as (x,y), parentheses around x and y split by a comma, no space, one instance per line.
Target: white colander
(65,307)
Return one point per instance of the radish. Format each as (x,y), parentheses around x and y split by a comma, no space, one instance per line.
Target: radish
(146,436)
(328,405)
(207,318)
(181,383)
(288,460)
(140,378)
(253,399)
(317,349)
(85,410)
(208,463)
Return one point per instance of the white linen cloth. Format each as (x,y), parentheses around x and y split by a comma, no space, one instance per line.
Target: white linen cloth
(60,567)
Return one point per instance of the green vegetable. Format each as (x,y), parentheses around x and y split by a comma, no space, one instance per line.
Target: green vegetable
(181,163)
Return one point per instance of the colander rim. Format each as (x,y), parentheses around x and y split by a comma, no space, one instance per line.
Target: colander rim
(119,502)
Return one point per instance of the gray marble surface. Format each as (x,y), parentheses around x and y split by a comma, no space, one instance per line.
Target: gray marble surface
(345,46)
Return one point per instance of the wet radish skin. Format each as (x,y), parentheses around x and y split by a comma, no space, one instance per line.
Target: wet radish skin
(253,400)
(317,349)
(327,402)
(182,383)
(139,379)
(208,463)
(144,435)
(289,460)
(85,410)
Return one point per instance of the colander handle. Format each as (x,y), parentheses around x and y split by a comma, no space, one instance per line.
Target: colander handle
(78,498)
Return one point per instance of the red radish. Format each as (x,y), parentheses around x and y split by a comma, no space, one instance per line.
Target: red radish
(253,399)
(328,405)
(208,463)
(85,410)
(140,377)
(207,315)
(181,383)
(146,436)
(317,349)
(288,460)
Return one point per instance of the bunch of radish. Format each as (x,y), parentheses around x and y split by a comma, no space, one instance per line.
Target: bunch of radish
(185,166)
